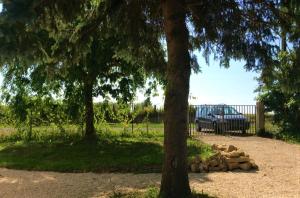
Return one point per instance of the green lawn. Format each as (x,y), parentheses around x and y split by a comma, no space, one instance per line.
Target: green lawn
(116,150)
(42,133)
(153,192)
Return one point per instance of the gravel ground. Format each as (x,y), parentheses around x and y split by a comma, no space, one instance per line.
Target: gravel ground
(278,176)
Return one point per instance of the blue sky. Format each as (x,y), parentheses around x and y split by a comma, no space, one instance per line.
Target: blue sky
(216,85)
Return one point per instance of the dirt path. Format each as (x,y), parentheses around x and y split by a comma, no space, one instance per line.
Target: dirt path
(279,176)
(25,184)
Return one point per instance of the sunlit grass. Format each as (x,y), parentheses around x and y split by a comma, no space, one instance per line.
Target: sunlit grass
(115,150)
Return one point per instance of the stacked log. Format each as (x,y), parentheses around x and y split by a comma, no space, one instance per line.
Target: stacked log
(226,158)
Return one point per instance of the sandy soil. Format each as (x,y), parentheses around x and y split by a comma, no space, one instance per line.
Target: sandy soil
(278,176)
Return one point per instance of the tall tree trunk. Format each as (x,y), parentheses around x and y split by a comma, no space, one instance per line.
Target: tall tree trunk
(175,182)
(89,111)
(283,40)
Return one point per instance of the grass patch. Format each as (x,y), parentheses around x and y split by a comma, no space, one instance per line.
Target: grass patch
(274,131)
(289,136)
(284,135)
(107,156)
(115,151)
(153,192)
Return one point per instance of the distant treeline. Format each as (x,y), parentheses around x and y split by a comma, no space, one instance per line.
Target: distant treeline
(120,112)
(56,112)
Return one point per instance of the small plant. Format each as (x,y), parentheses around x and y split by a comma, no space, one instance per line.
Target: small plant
(151,192)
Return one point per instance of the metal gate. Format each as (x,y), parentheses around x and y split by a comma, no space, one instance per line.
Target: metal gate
(221,118)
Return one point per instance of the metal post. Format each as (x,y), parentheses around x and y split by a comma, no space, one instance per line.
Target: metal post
(188,121)
(260,117)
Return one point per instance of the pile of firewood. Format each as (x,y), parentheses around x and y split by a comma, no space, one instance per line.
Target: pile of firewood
(226,158)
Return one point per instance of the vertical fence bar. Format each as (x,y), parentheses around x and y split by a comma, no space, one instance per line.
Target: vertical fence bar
(249,114)
(189,123)
(240,109)
(191,119)
(255,126)
(252,113)
(249,117)
(252,109)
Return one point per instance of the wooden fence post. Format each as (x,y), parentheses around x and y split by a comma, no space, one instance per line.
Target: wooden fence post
(260,117)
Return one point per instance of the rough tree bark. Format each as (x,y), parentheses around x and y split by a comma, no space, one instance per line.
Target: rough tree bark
(175,182)
(283,40)
(90,132)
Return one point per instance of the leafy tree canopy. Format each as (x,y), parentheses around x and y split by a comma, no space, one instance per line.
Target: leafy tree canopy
(56,63)
(279,84)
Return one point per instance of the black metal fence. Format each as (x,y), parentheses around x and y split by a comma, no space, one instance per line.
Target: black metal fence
(233,119)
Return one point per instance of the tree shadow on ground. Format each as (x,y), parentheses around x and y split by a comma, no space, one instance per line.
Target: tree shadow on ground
(102,156)
(136,155)
(199,177)
(226,133)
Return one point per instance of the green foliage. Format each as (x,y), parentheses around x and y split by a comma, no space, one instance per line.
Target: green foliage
(66,63)
(28,112)
(108,112)
(227,29)
(280,84)
(280,92)
(272,130)
(6,116)
(47,112)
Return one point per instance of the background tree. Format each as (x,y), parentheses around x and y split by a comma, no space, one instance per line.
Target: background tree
(279,86)
(101,68)
(101,73)
(281,94)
